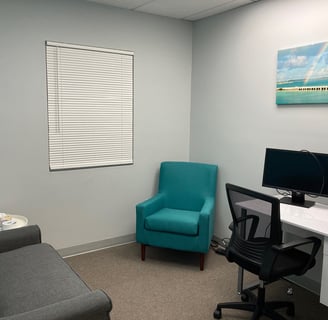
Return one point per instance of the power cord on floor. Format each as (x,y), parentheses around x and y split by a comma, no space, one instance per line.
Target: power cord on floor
(220,245)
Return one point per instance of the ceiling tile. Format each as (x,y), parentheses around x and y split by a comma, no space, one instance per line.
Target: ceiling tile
(181,9)
(126,4)
(228,5)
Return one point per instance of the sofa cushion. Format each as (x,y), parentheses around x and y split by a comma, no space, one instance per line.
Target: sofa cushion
(35,276)
(174,221)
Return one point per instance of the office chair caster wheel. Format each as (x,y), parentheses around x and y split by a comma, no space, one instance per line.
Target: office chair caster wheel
(244,297)
(217,314)
(291,311)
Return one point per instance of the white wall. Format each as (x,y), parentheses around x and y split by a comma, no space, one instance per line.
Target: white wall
(234,116)
(82,206)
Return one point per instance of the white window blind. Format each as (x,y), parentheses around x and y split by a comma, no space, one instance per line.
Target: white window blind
(90,106)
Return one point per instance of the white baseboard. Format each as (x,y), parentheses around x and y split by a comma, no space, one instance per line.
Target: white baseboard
(97,245)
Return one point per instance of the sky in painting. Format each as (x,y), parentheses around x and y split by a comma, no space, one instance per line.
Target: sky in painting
(306,63)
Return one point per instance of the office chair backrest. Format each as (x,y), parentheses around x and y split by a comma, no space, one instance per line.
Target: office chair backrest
(187,184)
(256,222)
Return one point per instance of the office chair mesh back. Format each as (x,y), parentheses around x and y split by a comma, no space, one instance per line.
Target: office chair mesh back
(256,226)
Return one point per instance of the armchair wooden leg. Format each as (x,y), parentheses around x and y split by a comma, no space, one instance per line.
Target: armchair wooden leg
(143,252)
(201,261)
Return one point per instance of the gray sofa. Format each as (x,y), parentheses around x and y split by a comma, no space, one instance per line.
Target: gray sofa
(37,284)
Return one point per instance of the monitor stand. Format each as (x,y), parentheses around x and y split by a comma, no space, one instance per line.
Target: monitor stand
(297,199)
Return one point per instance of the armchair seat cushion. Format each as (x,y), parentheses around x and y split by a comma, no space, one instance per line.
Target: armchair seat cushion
(173,221)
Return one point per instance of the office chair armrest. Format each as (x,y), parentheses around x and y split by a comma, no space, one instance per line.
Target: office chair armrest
(271,256)
(316,243)
(295,243)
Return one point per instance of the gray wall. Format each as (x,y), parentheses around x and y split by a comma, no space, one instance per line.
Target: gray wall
(84,206)
(234,116)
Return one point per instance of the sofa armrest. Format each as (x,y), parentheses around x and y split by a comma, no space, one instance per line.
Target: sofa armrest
(94,305)
(16,238)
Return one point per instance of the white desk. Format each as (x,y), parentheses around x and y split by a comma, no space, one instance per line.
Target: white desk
(314,219)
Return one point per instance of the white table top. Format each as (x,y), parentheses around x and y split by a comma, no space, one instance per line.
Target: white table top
(17,222)
(313,219)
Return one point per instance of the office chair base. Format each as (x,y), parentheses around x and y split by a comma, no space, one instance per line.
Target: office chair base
(257,306)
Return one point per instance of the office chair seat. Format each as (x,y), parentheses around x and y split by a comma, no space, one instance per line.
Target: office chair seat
(293,262)
(256,245)
(248,253)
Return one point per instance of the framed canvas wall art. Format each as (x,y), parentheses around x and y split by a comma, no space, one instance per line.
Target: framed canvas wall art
(302,75)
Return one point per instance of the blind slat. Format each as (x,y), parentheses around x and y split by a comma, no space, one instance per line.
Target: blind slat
(90,106)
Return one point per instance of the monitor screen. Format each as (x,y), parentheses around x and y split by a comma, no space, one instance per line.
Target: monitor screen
(300,172)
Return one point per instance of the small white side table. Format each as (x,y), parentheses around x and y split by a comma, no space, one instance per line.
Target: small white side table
(16,222)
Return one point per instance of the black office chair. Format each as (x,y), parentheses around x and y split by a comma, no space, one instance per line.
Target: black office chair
(256,246)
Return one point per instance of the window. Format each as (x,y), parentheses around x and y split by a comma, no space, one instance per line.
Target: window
(90,106)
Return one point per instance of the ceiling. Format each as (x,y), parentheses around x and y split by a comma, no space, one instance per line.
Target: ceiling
(180,9)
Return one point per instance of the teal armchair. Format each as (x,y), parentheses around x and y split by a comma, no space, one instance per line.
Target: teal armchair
(181,215)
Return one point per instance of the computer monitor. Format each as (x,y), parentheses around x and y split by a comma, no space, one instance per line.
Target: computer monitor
(298,172)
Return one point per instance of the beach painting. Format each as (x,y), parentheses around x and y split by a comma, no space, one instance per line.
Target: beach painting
(302,75)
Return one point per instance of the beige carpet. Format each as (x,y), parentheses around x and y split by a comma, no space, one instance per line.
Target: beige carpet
(169,285)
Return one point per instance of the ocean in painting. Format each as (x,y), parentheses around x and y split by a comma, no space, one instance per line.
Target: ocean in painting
(302,75)
(296,92)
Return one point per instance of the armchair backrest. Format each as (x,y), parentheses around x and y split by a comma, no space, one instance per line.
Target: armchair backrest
(256,223)
(187,184)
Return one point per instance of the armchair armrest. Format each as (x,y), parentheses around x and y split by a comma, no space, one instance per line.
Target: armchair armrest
(16,238)
(150,205)
(144,209)
(206,223)
(93,305)
(208,206)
